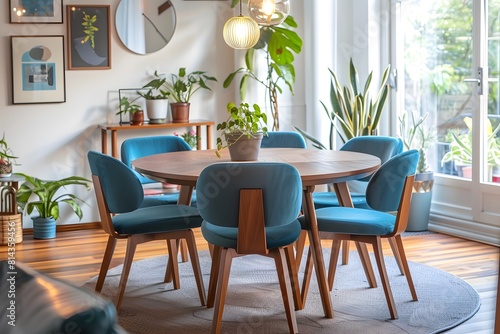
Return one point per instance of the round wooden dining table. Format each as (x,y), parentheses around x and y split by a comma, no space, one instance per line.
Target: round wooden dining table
(316,167)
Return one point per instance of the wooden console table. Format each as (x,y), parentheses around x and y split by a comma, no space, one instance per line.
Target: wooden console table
(114,128)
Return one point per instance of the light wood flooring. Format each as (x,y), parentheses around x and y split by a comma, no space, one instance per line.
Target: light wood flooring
(76,256)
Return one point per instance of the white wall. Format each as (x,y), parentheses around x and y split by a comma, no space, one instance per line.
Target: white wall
(52,139)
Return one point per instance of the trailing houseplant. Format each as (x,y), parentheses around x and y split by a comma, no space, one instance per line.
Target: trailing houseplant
(242,123)
(354,113)
(278,44)
(47,200)
(7,158)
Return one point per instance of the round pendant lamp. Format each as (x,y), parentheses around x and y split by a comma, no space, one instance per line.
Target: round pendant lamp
(241,32)
(268,12)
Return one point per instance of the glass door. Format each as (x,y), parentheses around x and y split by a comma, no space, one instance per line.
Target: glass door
(447,59)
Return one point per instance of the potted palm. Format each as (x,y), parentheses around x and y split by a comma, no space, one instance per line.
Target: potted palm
(47,202)
(180,89)
(242,132)
(7,159)
(134,110)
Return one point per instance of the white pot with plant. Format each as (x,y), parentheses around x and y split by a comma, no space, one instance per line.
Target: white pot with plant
(7,159)
(242,132)
(156,102)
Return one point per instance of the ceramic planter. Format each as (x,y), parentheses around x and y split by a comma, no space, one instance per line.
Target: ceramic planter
(157,110)
(137,118)
(242,148)
(5,170)
(180,112)
(421,200)
(44,228)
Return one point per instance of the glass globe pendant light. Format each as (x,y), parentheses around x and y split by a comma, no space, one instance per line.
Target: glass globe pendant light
(268,12)
(241,32)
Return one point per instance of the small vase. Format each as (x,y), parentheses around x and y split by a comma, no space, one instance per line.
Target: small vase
(5,170)
(137,118)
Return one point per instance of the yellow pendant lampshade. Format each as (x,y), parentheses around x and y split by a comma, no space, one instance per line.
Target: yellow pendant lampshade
(241,32)
(268,12)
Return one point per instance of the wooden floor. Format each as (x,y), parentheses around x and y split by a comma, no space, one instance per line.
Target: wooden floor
(76,256)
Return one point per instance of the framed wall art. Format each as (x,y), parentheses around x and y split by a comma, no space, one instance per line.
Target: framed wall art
(89,46)
(38,69)
(36,11)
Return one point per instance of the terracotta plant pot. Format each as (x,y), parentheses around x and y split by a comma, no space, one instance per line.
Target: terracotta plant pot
(242,148)
(180,112)
(137,118)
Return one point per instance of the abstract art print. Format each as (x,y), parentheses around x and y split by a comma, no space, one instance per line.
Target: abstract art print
(36,11)
(38,69)
(88,37)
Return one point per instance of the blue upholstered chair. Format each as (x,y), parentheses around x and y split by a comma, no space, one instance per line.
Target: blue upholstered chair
(251,208)
(382,147)
(119,195)
(283,139)
(389,190)
(139,147)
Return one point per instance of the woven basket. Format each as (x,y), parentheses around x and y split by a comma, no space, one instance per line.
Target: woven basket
(12,227)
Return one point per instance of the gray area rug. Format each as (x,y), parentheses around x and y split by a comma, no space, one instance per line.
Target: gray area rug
(254,303)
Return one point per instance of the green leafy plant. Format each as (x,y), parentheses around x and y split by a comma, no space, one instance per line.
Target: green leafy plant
(461,146)
(354,113)
(414,135)
(243,121)
(279,43)
(48,199)
(181,86)
(89,29)
(127,106)
(6,154)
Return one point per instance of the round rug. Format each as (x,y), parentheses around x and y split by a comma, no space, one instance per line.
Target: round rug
(254,303)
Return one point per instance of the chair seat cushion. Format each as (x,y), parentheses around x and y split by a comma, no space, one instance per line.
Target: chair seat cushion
(276,236)
(328,199)
(160,218)
(353,221)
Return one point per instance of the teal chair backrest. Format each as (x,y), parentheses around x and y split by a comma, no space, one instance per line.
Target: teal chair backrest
(287,139)
(385,187)
(122,189)
(135,148)
(383,147)
(218,191)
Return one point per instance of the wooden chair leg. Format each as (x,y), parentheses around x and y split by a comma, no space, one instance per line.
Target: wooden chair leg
(108,254)
(379,256)
(397,256)
(286,288)
(127,263)
(307,276)
(195,262)
(214,276)
(345,252)
(173,264)
(184,251)
(294,277)
(333,262)
(223,280)
(404,262)
(299,247)
(366,263)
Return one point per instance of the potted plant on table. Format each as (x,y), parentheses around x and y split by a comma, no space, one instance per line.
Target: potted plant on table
(7,159)
(135,111)
(179,89)
(47,201)
(242,132)
(156,100)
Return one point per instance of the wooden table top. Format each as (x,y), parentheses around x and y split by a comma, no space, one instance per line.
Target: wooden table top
(315,166)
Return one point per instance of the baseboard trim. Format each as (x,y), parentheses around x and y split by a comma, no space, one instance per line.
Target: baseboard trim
(69,227)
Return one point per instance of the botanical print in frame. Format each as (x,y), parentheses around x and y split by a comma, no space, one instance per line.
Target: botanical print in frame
(36,11)
(89,46)
(38,69)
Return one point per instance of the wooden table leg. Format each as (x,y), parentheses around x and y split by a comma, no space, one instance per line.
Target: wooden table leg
(114,143)
(198,134)
(104,141)
(209,137)
(317,252)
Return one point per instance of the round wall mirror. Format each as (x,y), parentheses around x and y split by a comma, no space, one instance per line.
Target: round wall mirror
(145,26)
